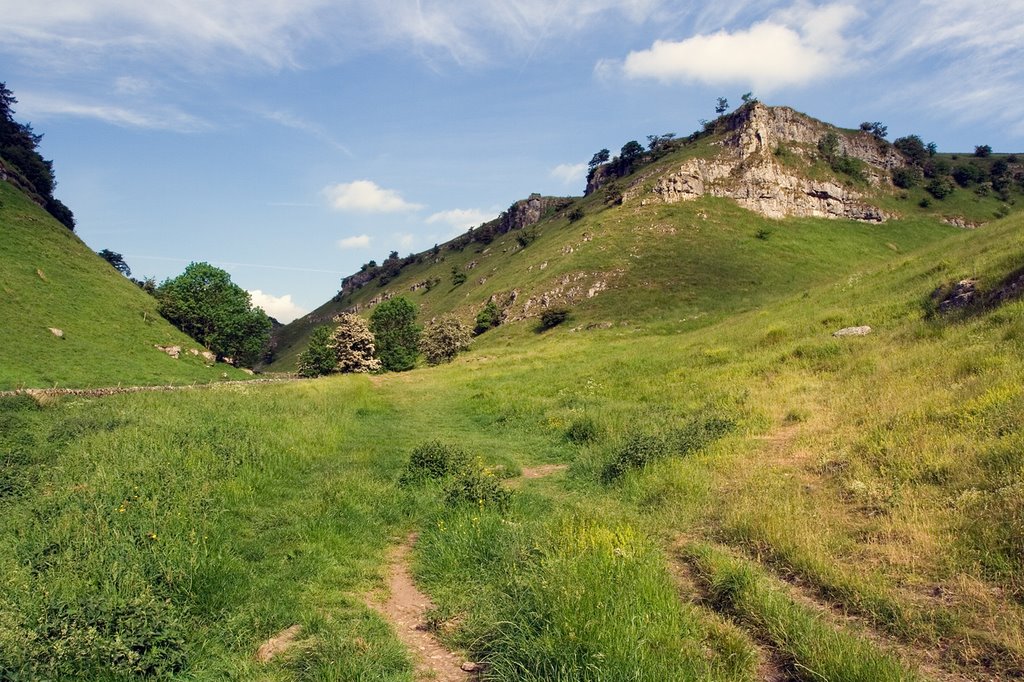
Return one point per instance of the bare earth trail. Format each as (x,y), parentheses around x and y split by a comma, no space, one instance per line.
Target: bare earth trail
(405,608)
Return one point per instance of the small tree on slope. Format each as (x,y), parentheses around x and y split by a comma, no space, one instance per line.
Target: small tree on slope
(318,358)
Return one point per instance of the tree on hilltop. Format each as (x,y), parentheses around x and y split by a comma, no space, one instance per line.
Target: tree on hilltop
(116,261)
(721,106)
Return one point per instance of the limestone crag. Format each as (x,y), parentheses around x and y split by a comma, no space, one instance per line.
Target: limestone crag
(747,170)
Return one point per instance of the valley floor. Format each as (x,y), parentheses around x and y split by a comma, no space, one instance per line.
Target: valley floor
(754,499)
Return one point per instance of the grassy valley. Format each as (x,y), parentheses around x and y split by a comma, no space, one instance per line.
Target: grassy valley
(691,478)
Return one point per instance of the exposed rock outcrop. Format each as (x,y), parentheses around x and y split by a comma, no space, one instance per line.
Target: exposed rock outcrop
(747,169)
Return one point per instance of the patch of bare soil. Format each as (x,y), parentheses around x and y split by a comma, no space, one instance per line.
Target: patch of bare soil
(278,644)
(540,471)
(406,608)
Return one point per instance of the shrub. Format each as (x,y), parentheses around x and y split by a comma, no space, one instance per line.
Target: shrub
(353,345)
(638,450)
(913,148)
(982,151)
(476,485)
(906,177)
(393,324)
(576,214)
(433,460)
(443,339)
(552,317)
(968,174)
(318,358)
(458,277)
(582,430)
(940,188)
(488,318)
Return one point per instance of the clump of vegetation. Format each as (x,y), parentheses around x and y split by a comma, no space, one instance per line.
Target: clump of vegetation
(583,430)
(551,318)
(444,338)
(353,345)
(641,448)
(940,188)
(434,461)
(488,318)
(576,214)
(204,303)
(458,276)
(464,479)
(319,357)
(983,151)
(906,177)
(395,333)
(829,147)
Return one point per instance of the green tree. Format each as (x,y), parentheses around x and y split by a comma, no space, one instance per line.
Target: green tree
(204,303)
(631,151)
(443,339)
(912,147)
(393,324)
(318,358)
(721,106)
(982,151)
(599,158)
(116,261)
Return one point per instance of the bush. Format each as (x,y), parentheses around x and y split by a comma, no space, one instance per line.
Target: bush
(641,449)
(576,214)
(434,460)
(488,318)
(318,358)
(968,174)
(552,317)
(393,324)
(940,188)
(582,430)
(458,277)
(982,151)
(476,485)
(906,177)
(443,339)
(353,345)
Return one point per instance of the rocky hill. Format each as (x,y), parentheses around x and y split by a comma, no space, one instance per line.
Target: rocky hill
(679,222)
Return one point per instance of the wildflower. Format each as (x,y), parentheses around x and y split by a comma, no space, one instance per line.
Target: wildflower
(151,535)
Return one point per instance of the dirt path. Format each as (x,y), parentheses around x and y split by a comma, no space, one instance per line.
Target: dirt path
(405,608)
(771,666)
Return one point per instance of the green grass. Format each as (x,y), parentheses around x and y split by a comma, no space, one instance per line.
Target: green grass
(49,278)
(814,648)
(170,534)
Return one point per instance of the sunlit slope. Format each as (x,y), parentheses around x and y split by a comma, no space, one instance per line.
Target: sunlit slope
(659,265)
(50,279)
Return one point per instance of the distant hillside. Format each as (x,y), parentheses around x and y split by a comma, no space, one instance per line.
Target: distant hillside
(67,318)
(762,202)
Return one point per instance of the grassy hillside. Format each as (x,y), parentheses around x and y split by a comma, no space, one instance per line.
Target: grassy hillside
(745,497)
(49,278)
(650,263)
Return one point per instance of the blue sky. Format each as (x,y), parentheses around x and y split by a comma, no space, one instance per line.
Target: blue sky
(290,141)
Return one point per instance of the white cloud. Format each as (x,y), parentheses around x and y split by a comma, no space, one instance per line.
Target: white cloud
(281,308)
(789,49)
(460,218)
(367,196)
(358,242)
(569,173)
(31,105)
(406,240)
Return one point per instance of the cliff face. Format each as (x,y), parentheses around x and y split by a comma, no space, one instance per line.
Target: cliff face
(748,169)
